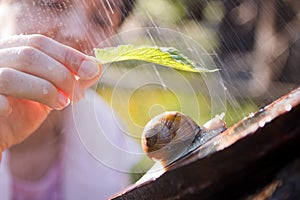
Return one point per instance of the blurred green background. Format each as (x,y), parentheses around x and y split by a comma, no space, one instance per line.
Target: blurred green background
(233,33)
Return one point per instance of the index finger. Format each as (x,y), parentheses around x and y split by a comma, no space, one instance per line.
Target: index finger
(85,67)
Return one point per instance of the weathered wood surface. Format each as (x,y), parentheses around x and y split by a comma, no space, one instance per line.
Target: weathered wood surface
(259,157)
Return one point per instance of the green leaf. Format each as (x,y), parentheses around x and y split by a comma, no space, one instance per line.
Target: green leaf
(165,56)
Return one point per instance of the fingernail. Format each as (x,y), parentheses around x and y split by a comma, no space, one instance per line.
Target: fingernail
(89,68)
(63,101)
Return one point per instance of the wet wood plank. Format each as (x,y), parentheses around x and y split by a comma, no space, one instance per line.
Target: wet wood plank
(242,160)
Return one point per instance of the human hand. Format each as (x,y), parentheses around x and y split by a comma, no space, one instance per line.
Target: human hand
(37,75)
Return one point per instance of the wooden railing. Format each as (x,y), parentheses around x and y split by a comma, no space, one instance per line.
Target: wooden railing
(258,157)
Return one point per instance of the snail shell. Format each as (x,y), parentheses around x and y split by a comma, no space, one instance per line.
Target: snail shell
(171,135)
(167,135)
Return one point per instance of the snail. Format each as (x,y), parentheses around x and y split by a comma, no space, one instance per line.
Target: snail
(172,135)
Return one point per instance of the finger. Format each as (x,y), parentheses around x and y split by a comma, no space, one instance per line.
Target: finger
(85,67)
(5,107)
(35,62)
(21,85)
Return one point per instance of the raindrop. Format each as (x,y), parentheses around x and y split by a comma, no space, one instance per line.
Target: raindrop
(268,118)
(261,123)
(106,12)
(150,35)
(111,10)
(288,107)
(152,21)
(163,84)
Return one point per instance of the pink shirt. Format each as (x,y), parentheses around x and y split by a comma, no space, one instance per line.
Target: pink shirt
(47,188)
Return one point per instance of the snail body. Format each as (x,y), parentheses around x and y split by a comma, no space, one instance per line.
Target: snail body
(171,135)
